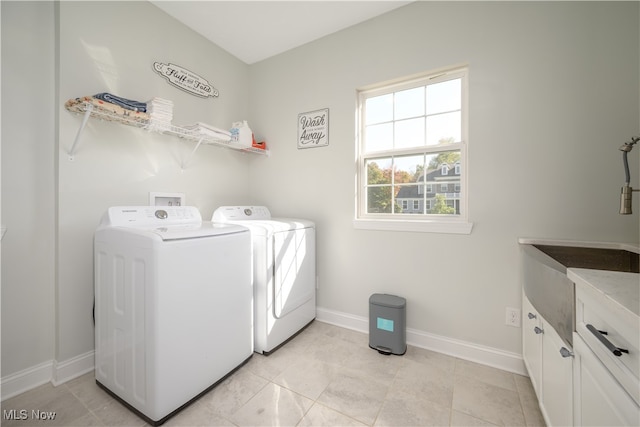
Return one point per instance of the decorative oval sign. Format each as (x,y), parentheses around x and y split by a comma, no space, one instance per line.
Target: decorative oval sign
(185,80)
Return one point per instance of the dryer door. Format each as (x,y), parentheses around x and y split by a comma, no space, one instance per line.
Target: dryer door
(294,281)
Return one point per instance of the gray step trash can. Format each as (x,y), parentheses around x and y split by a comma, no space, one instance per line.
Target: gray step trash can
(388,324)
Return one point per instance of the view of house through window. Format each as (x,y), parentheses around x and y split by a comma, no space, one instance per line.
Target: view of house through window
(412,147)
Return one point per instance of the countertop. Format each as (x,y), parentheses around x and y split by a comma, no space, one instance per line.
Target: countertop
(619,290)
(631,247)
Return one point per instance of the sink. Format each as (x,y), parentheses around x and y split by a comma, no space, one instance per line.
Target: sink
(593,258)
(550,291)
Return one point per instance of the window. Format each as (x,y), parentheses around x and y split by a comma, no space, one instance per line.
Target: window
(411,135)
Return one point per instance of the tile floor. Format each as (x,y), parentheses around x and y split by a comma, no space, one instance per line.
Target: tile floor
(326,376)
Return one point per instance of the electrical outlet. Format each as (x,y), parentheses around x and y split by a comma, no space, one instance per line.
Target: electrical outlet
(512,317)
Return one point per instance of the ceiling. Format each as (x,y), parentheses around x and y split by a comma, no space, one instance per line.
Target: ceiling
(255,30)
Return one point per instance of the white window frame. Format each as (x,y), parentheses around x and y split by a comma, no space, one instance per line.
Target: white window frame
(456,224)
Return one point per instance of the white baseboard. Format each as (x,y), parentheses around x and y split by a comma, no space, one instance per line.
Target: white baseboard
(72,368)
(14,384)
(52,371)
(507,361)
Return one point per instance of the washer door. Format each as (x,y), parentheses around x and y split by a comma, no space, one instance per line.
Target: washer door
(294,281)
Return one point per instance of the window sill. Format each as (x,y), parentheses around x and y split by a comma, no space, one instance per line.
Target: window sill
(446,227)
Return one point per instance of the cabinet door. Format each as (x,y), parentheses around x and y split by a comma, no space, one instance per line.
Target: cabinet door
(532,344)
(557,378)
(599,399)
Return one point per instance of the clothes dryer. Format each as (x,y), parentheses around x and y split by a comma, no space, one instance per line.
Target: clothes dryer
(173,311)
(284,272)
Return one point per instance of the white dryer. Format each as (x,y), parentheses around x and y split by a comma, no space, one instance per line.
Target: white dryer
(284,272)
(173,306)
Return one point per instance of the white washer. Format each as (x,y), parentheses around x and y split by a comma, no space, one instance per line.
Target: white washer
(284,272)
(173,309)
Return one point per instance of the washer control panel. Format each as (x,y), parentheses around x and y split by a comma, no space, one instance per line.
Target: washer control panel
(151,216)
(241,213)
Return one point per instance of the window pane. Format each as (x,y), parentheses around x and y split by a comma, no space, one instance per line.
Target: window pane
(409,199)
(379,137)
(445,96)
(409,133)
(443,190)
(435,161)
(379,199)
(409,103)
(408,168)
(444,128)
(378,171)
(379,109)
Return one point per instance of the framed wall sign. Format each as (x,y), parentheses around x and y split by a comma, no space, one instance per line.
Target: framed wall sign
(185,80)
(313,129)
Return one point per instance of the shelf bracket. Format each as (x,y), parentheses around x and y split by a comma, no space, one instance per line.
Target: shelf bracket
(188,159)
(87,114)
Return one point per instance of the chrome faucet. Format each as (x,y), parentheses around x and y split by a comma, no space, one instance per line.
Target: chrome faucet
(627,191)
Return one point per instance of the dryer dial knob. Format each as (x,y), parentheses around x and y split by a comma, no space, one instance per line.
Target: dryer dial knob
(161,214)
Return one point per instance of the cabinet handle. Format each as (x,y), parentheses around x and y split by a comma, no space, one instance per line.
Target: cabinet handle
(565,353)
(612,348)
(531,316)
(537,330)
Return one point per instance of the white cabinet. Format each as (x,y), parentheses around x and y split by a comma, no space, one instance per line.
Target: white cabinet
(557,379)
(532,343)
(599,398)
(549,362)
(607,348)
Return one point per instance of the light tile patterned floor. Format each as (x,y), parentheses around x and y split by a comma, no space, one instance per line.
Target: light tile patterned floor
(326,376)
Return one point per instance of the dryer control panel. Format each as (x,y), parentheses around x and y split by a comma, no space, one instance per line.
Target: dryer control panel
(151,216)
(241,213)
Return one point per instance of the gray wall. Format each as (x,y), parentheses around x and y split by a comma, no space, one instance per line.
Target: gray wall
(52,205)
(120,165)
(28,184)
(554,91)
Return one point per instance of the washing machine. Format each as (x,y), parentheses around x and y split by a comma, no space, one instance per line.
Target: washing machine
(284,272)
(173,306)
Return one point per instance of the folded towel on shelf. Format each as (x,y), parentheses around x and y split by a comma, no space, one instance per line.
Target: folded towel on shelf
(106,110)
(208,130)
(161,114)
(129,104)
(160,104)
(207,127)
